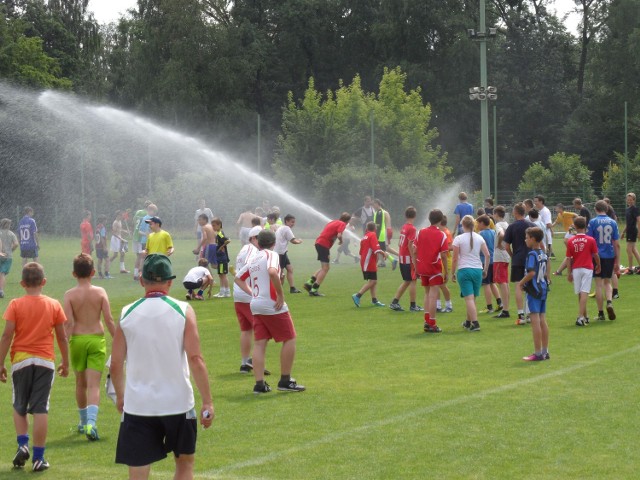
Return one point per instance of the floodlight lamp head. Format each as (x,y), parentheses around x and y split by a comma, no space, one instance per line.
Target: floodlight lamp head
(482,96)
(473,96)
(493,32)
(471,32)
(492,96)
(474,90)
(491,89)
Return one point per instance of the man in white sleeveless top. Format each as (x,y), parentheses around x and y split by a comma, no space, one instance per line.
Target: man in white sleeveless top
(158,337)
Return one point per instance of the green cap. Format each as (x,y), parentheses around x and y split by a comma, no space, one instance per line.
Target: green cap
(157,268)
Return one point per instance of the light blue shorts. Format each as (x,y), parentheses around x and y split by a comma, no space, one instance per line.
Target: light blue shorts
(469,280)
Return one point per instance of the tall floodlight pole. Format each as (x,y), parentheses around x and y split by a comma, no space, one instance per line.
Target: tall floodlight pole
(259,147)
(373,157)
(484,106)
(495,157)
(626,152)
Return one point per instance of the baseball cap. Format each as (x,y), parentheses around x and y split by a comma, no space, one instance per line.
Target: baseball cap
(154,220)
(255,231)
(157,268)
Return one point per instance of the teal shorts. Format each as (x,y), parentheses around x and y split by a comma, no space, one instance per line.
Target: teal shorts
(5,265)
(88,351)
(469,280)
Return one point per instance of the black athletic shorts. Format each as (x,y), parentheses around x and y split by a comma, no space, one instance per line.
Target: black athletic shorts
(632,235)
(606,268)
(517,273)
(284,260)
(31,389)
(488,280)
(370,275)
(145,440)
(223,268)
(192,285)
(407,272)
(323,253)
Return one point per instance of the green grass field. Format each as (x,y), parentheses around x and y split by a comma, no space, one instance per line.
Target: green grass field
(383,399)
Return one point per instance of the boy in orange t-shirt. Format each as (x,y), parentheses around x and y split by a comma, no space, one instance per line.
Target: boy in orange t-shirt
(30,322)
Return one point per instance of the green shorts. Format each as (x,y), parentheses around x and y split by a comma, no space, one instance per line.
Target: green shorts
(88,351)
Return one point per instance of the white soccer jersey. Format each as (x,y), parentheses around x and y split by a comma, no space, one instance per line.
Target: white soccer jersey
(545,217)
(195,274)
(257,272)
(244,255)
(284,235)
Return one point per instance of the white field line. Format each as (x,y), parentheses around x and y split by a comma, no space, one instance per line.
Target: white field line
(222,472)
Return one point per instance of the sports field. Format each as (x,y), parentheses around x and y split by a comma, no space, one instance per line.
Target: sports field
(383,399)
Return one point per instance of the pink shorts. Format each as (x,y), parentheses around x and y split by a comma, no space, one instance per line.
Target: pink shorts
(501,272)
(279,327)
(432,280)
(245,317)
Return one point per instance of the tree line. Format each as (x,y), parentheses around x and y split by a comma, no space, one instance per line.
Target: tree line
(325,76)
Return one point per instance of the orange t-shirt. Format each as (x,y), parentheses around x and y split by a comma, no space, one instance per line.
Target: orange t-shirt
(35,317)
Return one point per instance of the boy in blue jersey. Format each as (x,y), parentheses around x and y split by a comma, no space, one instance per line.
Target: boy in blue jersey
(488,285)
(463,208)
(535,283)
(29,242)
(605,231)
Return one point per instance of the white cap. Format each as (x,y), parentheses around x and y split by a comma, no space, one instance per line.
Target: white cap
(255,231)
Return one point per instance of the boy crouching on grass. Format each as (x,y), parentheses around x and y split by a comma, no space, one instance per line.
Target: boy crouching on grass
(369,251)
(30,322)
(84,306)
(198,278)
(582,252)
(535,283)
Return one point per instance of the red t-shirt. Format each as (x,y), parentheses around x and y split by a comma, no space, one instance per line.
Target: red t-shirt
(330,232)
(86,234)
(369,248)
(407,237)
(430,242)
(581,248)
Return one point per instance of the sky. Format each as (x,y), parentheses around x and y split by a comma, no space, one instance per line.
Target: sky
(109,10)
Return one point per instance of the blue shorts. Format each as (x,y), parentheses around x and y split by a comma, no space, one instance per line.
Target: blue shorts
(5,265)
(488,280)
(30,253)
(211,254)
(537,305)
(469,280)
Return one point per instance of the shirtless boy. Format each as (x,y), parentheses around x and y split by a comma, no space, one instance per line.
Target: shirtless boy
(207,247)
(83,306)
(244,225)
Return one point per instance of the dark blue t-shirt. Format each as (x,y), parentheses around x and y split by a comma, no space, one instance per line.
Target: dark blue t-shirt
(515,236)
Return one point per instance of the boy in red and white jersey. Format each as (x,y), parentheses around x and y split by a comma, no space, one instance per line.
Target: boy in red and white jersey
(271,318)
(431,249)
(369,251)
(406,256)
(582,252)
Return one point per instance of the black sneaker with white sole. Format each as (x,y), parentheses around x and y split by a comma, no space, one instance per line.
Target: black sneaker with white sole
(291,386)
(21,457)
(396,307)
(246,368)
(40,465)
(257,389)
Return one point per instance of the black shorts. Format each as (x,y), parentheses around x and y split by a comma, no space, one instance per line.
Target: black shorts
(223,268)
(284,260)
(323,253)
(370,275)
(517,273)
(489,278)
(101,254)
(144,440)
(31,389)
(407,272)
(606,268)
(383,246)
(29,253)
(632,235)
(193,285)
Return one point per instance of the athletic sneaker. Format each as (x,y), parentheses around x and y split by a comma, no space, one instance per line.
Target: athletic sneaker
(189,296)
(315,293)
(355,298)
(40,465)
(616,296)
(107,276)
(198,297)
(80,428)
(600,318)
(91,432)
(521,320)
(294,290)
(396,307)
(431,328)
(447,310)
(218,295)
(466,324)
(580,322)
(22,455)
(547,356)
(503,314)
(586,320)
(307,286)
(378,303)
(246,368)
(498,308)
(533,358)
(335,262)
(264,389)
(592,295)
(394,264)
(291,386)
(125,271)
(416,308)
(475,327)
(488,310)
(610,312)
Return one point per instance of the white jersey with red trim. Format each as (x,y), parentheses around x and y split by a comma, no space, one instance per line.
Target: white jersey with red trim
(244,255)
(256,270)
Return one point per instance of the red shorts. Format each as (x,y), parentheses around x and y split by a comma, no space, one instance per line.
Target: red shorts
(501,272)
(245,317)
(432,280)
(279,327)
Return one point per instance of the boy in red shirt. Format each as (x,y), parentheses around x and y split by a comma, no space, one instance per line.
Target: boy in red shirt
(369,251)
(431,265)
(406,257)
(330,233)
(582,252)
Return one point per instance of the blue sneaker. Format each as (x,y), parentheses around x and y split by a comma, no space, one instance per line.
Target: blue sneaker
(91,432)
(356,299)
(377,303)
(394,264)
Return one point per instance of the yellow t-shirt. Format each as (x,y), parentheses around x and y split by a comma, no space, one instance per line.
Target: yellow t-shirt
(159,242)
(566,218)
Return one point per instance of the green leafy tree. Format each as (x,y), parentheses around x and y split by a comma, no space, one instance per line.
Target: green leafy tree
(619,179)
(565,177)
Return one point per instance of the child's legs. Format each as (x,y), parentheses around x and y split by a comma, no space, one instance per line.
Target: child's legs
(599,289)
(544,331)
(563,265)
(470,303)
(93,378)
(245,343)
(373,289)
(290,275)
(519,298)
(608,290)
(433,294)
(635,252)
(184,467)
(631,246)
(320,274)
(403,288)
(366,286)
(487,293)
(583,297)
(494,291)
(3,281)
(224,282)
(412,291)
(21,423)
(504,295)
(40,426)
(445,292)
(259,352)
(81,389)
(536,331)
(287,354)
(141,473)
